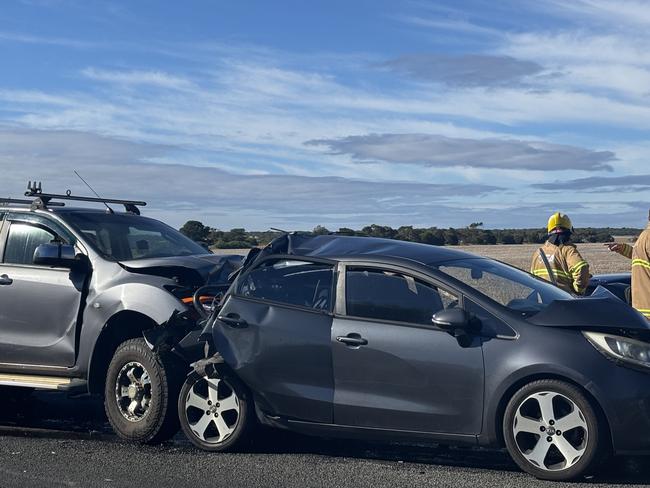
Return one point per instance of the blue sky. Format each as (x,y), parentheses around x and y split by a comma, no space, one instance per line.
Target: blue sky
(290,114)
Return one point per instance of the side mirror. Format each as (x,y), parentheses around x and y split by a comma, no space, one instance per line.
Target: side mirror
(452,319)
(59,255)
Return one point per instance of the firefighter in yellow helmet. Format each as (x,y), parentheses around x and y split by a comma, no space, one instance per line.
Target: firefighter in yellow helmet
(558,260)
(640,256)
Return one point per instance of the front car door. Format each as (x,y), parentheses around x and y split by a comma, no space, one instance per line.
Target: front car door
(275,332)
(39,305)
(393,369)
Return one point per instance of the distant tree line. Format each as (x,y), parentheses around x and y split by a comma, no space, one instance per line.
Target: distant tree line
(240,238)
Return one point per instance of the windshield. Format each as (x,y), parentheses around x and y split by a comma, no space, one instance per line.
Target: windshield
(508,286)
(123,237)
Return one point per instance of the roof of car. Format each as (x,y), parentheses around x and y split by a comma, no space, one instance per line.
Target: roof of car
(334,246)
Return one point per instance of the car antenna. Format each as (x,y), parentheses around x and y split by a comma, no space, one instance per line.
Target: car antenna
(91,189)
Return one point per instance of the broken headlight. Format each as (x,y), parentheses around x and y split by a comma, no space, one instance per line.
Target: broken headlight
(619,348)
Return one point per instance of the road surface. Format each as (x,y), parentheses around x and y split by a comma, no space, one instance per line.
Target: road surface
(51,441)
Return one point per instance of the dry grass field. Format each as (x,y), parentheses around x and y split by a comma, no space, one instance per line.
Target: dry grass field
(600,259)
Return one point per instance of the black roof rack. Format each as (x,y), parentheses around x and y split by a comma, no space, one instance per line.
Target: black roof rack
(43,200)
(18,201)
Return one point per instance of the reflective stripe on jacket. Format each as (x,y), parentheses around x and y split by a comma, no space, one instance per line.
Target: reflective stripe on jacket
(570,270)
(640,256)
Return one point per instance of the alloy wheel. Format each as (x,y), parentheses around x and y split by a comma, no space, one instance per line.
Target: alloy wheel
(550,431)
(133,391)
(212,410)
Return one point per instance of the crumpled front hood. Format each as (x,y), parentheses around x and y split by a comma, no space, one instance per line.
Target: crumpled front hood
(601,310)
(189,270)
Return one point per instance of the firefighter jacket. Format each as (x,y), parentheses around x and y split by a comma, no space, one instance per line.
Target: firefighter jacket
(640,256)
(571,272)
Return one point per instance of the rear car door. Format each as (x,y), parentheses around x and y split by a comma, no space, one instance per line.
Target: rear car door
(39,305)
(274,331)
(393,369)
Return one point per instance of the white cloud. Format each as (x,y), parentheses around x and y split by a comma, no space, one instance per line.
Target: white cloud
(450,24)
(51,41)
(611,12)
(151,78)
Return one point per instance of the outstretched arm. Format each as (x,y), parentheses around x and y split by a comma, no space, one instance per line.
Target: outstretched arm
(621,248)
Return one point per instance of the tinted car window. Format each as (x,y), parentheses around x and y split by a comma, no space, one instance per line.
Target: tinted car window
(66,236)
(292,282)
(22,241)
(384,295)
(125,237)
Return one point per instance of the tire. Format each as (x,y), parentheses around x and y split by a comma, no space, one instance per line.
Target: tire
(564,442)
(216,414)
(141,391)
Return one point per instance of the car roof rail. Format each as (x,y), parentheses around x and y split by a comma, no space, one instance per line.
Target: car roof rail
(44,200)
(5,202)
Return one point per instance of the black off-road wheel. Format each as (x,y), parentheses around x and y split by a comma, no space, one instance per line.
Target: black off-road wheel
(553,432)
(141,393)
(216,414)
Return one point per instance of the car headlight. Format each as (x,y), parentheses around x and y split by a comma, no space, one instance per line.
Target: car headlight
(619,348)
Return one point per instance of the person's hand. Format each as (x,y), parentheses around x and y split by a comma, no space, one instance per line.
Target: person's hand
(614,246)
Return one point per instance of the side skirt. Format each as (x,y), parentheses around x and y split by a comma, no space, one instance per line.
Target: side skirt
(367,433)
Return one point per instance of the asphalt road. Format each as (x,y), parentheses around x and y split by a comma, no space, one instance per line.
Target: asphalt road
(51,441)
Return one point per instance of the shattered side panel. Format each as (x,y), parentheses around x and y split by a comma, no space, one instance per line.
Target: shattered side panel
(283,354)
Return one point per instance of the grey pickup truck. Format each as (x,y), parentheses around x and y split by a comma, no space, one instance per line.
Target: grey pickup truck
(79,290)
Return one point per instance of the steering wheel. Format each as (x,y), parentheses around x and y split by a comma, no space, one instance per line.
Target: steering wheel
(201,294)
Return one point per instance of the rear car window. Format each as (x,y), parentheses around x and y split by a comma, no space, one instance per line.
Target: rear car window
(293,282)
(385,295)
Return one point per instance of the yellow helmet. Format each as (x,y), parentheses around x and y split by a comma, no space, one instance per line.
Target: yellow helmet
(559,222)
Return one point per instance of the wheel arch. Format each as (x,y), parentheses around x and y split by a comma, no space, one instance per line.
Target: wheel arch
(495,431)
(120,327)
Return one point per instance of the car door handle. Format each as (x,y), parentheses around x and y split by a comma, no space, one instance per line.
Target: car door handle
(352,340)
(5,280)
(233,320)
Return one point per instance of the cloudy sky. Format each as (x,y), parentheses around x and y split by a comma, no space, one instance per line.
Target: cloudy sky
(289,114)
